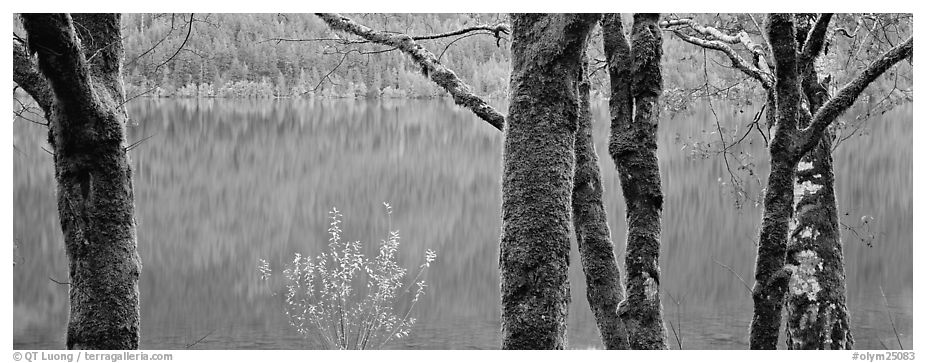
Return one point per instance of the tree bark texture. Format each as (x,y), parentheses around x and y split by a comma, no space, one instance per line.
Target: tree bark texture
(770,274)
(593,236)
(818,317)
(95,193)
(814,234)
(537,182)
(636,84)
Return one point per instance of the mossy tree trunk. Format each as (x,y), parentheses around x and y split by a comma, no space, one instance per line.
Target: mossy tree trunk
(636,84)
(95,193)
(537,184)
(794,268)
(817,314)
(593,236)
(771,277)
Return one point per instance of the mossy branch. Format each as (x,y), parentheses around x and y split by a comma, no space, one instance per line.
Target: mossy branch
(61,58)
(443,76)
(846,96)
(718,40)
(738,62)
(815,39)
(27,76)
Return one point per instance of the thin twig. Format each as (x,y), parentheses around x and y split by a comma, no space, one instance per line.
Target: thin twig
(200,339)
(745,284)
(135,144)
(188,32)
(890,317)
(127,100)
(327,75)
(737,183)
(131,62)
(454,41)
(678,318)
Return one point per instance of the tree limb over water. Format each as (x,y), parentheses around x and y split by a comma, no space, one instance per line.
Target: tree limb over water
(430,65)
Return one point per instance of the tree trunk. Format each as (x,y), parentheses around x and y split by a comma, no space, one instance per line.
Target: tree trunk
(771,275)
(537,183)
(818,317)
(95,193)
(602,276)
(636,83)
(815,255)
(590,219)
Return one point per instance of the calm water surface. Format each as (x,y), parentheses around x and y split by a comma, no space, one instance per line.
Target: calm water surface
(223,183)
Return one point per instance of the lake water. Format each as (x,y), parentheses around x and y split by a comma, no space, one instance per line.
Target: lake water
(222,183)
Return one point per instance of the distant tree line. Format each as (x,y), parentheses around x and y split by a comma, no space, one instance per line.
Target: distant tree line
(289,55)
(293,55)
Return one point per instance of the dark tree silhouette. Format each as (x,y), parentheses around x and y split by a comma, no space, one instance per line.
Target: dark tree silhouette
(593,236)
(537,180)
(636,83)
(75,77)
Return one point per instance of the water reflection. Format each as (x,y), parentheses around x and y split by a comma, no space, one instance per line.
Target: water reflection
(222,183)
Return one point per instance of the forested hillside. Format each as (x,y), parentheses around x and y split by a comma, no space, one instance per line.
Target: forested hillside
(286,55)
(239,55)
(297,55)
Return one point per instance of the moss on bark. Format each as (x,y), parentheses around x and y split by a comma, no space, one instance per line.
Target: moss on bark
(819,320)
(537,182)
(95,195)
(593,236)
(771,277)
(636,83)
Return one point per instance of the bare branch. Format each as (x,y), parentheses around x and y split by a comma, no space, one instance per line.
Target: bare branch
(441,56)
(847,95)
(728,268)
(497,30)
(200,339)
(25,111)
(135,144)
(718,40)
(299,40)
(187,38)
(738,62)
(149,50)
(328,75)
(890,317)
(444,77)
(846,33)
